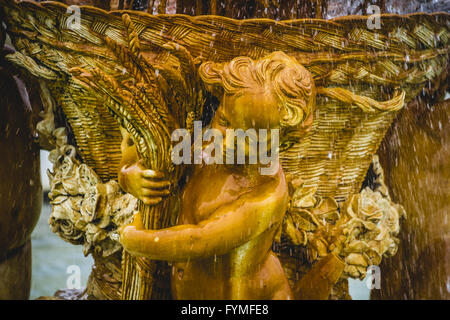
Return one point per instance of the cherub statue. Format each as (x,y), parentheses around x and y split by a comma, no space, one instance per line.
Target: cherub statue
(229,214)
(141,72)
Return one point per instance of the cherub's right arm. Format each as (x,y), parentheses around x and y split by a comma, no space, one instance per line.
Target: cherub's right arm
(145,184)
(229,227)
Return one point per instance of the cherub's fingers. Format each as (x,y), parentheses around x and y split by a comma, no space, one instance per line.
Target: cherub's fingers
(151,201)
(147,183)
(148,173)
(124,234)
(137,221)
(154,193)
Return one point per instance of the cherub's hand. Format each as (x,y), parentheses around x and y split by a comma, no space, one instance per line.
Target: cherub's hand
(137,221)
(145,184)
(126,232)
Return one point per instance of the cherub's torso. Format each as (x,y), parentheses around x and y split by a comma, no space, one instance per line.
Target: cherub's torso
(250,271)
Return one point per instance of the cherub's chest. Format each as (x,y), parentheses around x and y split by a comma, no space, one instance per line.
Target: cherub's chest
(207,190)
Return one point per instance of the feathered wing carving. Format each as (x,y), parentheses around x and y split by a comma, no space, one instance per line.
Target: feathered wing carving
(139,70)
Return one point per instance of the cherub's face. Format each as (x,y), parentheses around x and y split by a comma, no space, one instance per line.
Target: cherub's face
(248,110)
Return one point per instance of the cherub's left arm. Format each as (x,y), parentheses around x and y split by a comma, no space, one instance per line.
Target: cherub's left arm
(229,227)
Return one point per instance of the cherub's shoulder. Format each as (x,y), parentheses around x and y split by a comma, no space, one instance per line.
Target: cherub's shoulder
(273,189)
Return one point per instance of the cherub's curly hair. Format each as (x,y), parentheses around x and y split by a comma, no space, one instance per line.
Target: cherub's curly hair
(291,83)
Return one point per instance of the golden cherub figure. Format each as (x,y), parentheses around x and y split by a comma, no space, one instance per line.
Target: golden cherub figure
(119,69)
(230,214)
